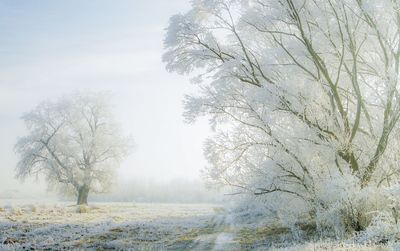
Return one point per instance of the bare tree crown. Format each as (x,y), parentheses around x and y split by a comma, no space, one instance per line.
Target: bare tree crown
(73,141)
(302,93)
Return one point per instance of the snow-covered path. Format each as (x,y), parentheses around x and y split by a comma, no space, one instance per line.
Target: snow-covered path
(225,241)
(222,236)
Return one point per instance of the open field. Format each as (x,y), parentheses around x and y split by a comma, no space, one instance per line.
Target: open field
(134,226)
(102,225)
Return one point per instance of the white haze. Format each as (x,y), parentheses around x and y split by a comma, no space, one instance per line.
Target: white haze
(48,49)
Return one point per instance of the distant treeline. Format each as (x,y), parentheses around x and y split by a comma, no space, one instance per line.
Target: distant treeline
(173,191)
(143,190)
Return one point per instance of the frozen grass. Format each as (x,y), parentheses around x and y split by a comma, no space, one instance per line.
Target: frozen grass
(335,246)
(280,239)
(99,212)
(102,226)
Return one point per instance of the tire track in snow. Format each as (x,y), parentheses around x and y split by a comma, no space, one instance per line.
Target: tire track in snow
(223,238)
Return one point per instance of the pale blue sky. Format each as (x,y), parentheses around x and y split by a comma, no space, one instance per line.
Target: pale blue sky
(48,48)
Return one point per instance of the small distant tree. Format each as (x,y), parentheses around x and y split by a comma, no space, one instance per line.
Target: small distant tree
(74,142)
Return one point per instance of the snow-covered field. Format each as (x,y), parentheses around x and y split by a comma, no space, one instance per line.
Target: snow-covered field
(101,225)
(137,226)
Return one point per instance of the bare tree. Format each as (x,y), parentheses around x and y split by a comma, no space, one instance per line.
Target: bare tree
(74,142)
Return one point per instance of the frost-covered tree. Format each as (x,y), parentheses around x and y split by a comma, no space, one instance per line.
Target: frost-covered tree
(74,142)
(303,96)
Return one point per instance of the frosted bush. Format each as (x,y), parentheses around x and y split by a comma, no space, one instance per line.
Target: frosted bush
(382,229)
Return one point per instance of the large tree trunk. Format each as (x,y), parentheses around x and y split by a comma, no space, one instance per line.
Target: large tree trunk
(83,194)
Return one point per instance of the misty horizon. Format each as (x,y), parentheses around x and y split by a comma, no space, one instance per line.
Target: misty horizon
(200,125)
(123,58)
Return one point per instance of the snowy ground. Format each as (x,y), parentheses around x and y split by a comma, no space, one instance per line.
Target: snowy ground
(103,226)
(130,226)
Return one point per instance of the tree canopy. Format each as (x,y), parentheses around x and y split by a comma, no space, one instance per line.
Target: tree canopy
(304,99)
(75,142)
